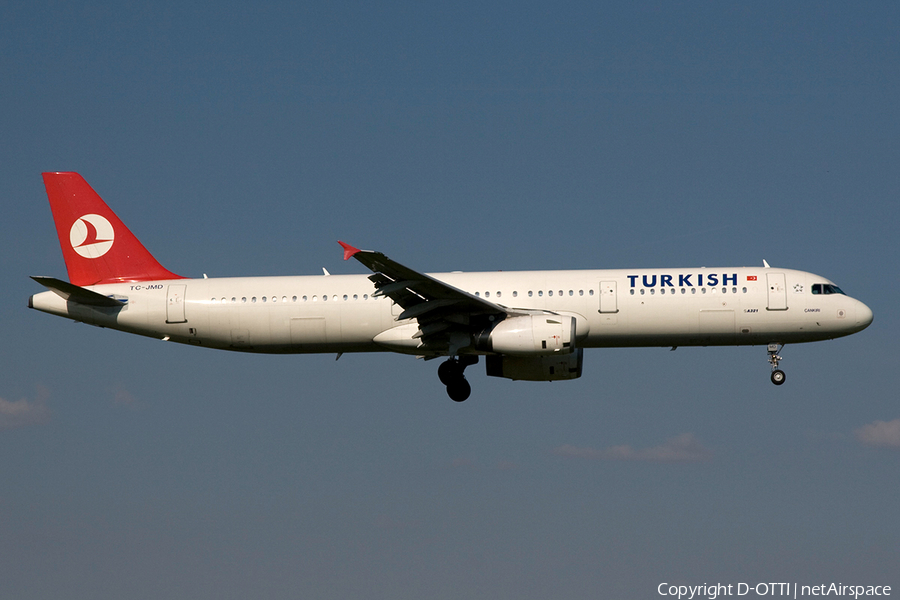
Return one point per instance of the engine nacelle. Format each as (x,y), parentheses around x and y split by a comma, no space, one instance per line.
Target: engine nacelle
(537,368)
(530,335)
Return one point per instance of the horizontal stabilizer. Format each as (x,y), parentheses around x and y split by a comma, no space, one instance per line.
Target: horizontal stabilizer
(73,293)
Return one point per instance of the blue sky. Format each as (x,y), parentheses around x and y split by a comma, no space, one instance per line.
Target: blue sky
(246,139)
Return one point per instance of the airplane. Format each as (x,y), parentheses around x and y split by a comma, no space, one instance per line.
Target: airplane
(528,325)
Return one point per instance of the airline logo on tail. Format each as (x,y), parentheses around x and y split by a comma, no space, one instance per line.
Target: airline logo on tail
(92,236)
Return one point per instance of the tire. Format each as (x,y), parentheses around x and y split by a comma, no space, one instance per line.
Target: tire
(459,390)
(778,377)
(449,371)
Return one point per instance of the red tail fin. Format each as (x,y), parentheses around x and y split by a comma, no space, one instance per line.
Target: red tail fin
(96,245)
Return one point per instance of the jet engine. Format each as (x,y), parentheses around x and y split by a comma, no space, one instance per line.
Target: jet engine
(532,348)
(536,368)
(529,335)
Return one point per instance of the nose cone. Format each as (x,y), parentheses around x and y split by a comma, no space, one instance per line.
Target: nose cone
(864,316)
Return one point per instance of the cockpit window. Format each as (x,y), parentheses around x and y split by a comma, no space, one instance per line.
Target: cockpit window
(826,288)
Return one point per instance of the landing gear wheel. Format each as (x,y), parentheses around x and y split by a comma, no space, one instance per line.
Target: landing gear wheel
(774,359)
(452,374)
(449,371)
(459,389)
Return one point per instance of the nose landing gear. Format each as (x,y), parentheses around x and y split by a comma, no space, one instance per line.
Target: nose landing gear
(452,374)
(777,374)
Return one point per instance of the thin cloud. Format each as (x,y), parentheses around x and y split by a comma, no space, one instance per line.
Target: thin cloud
(880,434)
(122,397)
(683,448)
(23,413)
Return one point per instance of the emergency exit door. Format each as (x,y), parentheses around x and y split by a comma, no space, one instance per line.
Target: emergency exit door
(608,302)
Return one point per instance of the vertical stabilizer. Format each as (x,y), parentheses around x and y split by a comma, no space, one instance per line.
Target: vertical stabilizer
(96,245)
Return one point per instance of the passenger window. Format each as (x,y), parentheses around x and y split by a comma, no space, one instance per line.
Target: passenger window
(550,293)
(743,290)
(632,292)
(530,293)
(591,293)
(244,300)
(515,294)
(345,297)
(498,294)
(253,300)
(642,291)
(581,292)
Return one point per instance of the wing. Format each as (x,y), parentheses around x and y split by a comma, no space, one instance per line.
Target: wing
(448,317)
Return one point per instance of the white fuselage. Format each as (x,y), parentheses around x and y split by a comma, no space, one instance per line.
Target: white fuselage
(613,308)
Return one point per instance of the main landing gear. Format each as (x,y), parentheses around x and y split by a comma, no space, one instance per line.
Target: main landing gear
(452,374)
(777,374)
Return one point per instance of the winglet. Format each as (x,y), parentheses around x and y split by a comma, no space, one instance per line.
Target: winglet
(349,250)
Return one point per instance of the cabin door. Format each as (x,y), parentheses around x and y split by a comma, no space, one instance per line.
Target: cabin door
(175,304)
(777,291)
